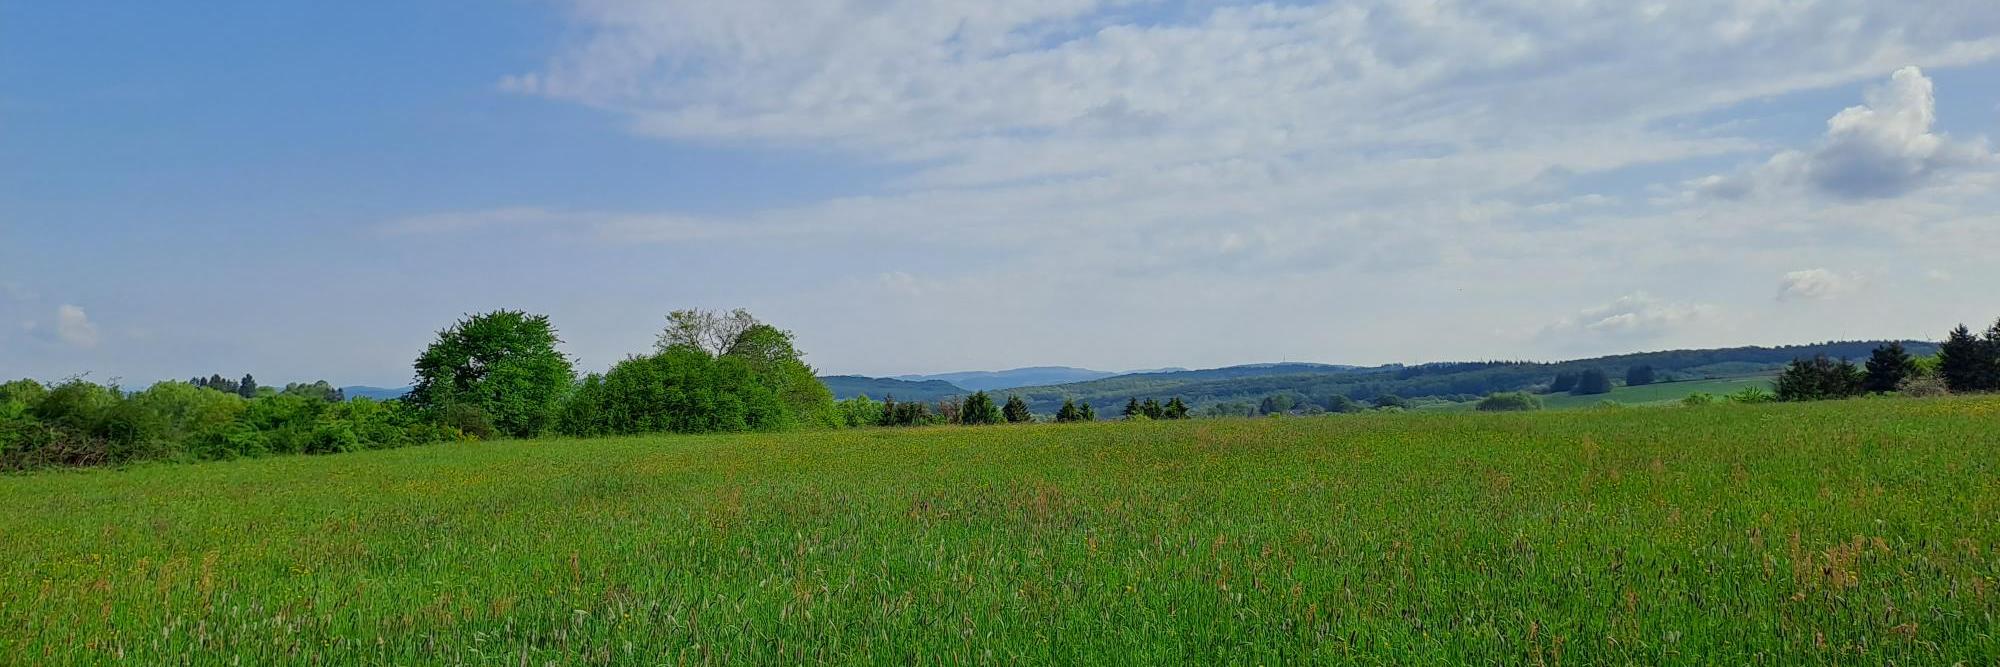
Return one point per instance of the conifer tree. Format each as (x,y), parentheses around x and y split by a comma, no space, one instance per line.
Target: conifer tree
(1068,413)
(1968,363)
(1016,410)
(1888,366)
(979,410)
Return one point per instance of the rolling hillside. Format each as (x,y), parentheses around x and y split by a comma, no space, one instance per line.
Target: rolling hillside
(849,386)
(1317,383)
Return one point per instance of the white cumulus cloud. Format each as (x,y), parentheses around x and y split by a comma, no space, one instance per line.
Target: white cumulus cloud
(1884,148)
(73,326)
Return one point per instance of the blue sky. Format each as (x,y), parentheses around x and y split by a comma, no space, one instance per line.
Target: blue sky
(310,190)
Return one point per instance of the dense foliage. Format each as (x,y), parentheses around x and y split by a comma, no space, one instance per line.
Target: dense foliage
(756,382)
(1591,382)
(79,423)
(1510,401)
(1821,378)
(1969,363)
(500,369)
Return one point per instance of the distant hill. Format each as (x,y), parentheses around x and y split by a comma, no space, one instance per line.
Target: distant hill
(1009,379)
(1457,381)
(377,393)
(849,386)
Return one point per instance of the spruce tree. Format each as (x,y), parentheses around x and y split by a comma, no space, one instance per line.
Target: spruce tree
(248,387)
(1176,408)
(1965,362)
(979,410)
(1131,408)
(1888,366)
(1016,410)
(1153,410)
(1820,378)
(1068,413)
(1089,413)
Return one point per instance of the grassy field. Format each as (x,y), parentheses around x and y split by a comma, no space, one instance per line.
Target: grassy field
(1662,392)
(1861,532)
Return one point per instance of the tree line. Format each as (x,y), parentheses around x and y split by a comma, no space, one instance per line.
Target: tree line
(1965,363)
(80,423)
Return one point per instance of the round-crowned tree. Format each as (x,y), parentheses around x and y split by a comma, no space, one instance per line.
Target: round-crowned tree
(501,367)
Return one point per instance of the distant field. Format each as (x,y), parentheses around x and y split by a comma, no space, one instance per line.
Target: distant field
(1859,532)
(1664,392)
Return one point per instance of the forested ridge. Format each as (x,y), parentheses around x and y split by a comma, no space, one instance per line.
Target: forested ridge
(502,374)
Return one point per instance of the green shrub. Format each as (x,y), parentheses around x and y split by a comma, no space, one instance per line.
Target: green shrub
(1510,401)
(1752,395)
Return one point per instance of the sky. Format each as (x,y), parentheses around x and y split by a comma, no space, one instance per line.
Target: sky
(310,190)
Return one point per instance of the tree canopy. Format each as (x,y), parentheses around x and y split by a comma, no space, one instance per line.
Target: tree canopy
(503,365)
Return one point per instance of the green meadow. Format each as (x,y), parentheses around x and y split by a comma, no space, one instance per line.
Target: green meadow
(1662,392)
(1851,532)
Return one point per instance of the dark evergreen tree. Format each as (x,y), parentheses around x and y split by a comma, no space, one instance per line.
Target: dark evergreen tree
(1016,410)
(1089,413)
(1592,382)
(1968,363)
(1069,413)
(979,410)
(248,387)
(1888,367)
(1639,376)
(1821,378)
(1131,408)
(1176,409)
(1152,409)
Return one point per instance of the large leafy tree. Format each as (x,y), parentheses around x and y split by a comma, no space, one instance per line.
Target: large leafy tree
(1639,376)
(707,330)
(777,364)
(1888,366)
(504,365)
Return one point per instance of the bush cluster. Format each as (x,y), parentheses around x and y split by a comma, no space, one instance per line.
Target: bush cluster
(80,423)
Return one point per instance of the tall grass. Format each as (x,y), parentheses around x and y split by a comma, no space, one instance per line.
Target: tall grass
(1861,532)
